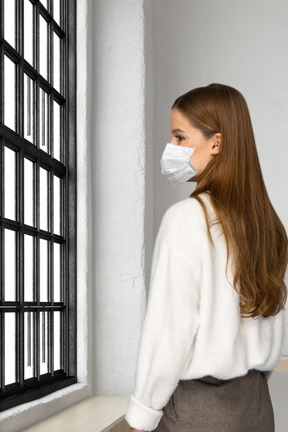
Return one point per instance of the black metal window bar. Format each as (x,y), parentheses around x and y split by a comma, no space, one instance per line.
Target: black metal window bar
(38,199)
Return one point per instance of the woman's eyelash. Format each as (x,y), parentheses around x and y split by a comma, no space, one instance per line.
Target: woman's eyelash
(181,138)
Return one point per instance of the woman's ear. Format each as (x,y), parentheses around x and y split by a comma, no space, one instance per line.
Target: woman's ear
(216,143)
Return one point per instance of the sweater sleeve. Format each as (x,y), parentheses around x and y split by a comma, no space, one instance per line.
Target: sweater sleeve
(169,327)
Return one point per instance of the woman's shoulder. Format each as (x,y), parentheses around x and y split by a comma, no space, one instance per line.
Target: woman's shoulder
(188,207)
(183,228)
(186,214)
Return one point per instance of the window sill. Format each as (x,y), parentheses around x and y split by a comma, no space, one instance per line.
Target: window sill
(282,365)
(97,414)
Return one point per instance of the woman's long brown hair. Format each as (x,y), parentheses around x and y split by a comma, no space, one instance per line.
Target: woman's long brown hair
(234,181)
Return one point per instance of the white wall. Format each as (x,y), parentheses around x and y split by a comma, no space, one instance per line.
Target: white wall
(238,43)
(118,191)
(149,132)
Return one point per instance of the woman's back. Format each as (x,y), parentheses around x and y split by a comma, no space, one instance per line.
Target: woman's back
(193,327)
(226,344)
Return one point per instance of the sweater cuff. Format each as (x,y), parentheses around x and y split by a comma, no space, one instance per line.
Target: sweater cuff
(140,416)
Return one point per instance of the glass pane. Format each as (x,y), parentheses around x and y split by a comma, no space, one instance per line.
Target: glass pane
(9,21)
(43,199)
(10,265)
(57,350)
(10,183)
(28,192)
(44,2)
(57,266)
(43,270)
(28,31)
(56,206)
(28,345)
(9,93)
(56,136)
(43,31)
(29,104)
(56,61)
(10,348)
(43,116)
(56,11)
(43,342)
(28,267)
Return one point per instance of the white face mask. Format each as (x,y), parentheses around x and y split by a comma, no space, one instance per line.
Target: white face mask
(175,163)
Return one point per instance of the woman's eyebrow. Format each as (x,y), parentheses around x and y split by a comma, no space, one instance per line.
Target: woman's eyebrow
(177,130)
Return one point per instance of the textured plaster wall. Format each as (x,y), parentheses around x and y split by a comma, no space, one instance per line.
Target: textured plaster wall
(118,191)
(149,142)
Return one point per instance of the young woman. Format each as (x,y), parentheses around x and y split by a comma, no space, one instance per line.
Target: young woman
(215,320)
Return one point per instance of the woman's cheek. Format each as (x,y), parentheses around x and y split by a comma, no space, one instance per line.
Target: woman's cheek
(199,159)
(195,160)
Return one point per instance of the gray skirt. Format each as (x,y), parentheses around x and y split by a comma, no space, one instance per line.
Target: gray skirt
(208,404)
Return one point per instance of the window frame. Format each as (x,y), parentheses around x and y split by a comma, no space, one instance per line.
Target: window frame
(34,389)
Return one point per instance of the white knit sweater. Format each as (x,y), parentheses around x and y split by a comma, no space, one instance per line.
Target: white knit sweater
(192,326)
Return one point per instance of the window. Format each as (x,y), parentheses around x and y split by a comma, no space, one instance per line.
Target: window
(38,201)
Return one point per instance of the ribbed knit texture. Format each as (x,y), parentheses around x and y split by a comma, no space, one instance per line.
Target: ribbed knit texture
(193,326)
